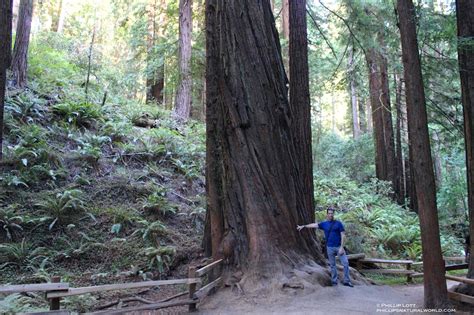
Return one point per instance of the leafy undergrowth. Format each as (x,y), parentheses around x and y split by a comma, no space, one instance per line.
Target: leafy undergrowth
(88,195)
(375,224)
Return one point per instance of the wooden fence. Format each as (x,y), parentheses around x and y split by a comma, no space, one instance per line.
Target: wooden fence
(57,290)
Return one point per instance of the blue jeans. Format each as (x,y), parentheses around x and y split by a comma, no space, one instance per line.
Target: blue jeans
(332,253)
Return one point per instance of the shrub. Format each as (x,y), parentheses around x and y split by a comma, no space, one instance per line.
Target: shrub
(79,114)
(63,206)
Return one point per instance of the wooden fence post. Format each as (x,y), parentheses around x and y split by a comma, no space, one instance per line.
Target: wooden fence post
(55,303)
(409,278)
(192,288)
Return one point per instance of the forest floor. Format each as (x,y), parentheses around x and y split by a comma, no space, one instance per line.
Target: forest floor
(362,299)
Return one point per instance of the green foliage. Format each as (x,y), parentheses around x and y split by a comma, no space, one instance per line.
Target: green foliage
(334,156)
(375,225)
(17,303)
(150,231)
(20,254)
(84,115)
(160,257)
(157,202)
(63,206)
(77,248)
(10,222)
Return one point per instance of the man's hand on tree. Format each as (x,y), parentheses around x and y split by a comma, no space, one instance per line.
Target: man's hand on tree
(300,227)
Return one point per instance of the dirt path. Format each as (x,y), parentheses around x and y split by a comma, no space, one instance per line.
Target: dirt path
(362,299)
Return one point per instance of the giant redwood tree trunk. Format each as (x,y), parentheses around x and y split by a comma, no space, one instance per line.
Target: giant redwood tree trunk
(5,56)
(300,105)
(255,188)
(183,95)
(465,23)
(20,51)
(435,292)
(375,85)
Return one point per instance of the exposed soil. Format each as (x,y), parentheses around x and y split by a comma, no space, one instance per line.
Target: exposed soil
(362,299)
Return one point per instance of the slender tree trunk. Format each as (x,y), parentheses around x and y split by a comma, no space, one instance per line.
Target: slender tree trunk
(285,27)
(333,112)
(465,20)
(375,86)
(5,56)
(183,96)
(19,64)
(354,103)
(16,12)
(399,149)
(62,18)
(369,116)
(437,160)
(285,18)
(362,116)
(57,17)
(89,64)
(300,98)
(254,185)
(435,291)
(389,151)
(155,74)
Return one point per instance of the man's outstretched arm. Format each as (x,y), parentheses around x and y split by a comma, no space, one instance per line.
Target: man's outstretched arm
(314,225)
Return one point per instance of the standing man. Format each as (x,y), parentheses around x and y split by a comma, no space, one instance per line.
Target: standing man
(334,233)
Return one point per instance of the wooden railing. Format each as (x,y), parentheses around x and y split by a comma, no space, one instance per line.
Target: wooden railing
(57,290)
(410,267)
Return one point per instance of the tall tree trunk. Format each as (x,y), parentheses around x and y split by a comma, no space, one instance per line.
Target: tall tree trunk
(399,149)
(392,174)
(354,103)
(362,116)
(369,115)
(465,23)
(183,96)
(435,292)
(16,11)
(19,64)
(5,56)
(62,18)
(375,85)
(155,80)
(285,18)
(300,104)
(254,185)
(285,27)
(58,18)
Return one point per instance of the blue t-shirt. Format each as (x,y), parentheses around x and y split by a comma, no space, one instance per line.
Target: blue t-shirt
(333,239)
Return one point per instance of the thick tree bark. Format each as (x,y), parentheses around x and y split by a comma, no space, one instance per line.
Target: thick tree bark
(300,98)
(353,90)
(19,64)
(253,179)
(465,23)
(375,86)
(435,292)
(5,56)
(399,150)
(183,95)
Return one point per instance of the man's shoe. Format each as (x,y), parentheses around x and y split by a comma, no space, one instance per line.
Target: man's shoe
(348,284)
(334,284)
